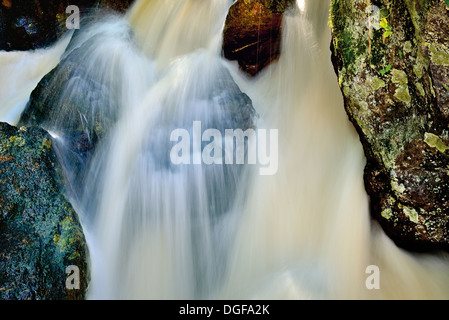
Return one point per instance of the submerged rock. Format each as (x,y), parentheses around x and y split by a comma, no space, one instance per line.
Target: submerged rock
(69,115)
(78,102)
(392,62)
(40,233)
(252,33)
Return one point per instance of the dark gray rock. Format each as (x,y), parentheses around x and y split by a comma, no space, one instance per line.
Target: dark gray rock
(40,233)
(29,25)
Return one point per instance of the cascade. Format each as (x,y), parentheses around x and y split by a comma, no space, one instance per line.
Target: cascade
(160,230)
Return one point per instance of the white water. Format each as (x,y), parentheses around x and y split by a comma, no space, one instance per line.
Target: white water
(158,232)
(20,72)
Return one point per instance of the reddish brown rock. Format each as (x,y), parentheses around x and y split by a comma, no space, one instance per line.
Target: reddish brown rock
(252,33)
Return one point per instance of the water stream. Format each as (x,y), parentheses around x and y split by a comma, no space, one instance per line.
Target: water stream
(159,230)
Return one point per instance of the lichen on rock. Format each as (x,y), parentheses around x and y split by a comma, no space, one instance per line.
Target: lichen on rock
(394,91)
(40,233)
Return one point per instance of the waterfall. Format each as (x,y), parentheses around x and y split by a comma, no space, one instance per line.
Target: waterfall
(160,230)
(21,72)
(306,233)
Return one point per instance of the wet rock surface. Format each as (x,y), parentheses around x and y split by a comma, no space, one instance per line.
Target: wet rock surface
(77,103)
(40,233)
(29,25)
(392,63)
(252,33)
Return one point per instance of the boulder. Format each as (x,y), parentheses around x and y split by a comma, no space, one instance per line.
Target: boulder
(41,238)
(78,102)
(29,25)
(252,33)
(392,63)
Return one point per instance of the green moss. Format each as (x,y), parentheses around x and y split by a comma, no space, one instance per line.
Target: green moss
(378,49)
(342,36)
(339,10)
(347,48)
(355,45)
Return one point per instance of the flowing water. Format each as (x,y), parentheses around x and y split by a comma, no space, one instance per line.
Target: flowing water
(157,230)
(20,73)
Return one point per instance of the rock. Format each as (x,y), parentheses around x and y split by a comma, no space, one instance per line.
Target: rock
(392,62)
(29,25)
(40,233)
(117,5)
(74,115)
(252,33)
(77,102)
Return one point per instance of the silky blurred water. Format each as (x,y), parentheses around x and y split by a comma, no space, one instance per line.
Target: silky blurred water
(157,230)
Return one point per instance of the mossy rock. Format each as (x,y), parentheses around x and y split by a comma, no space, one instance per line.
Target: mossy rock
(40,233)
(392,67)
